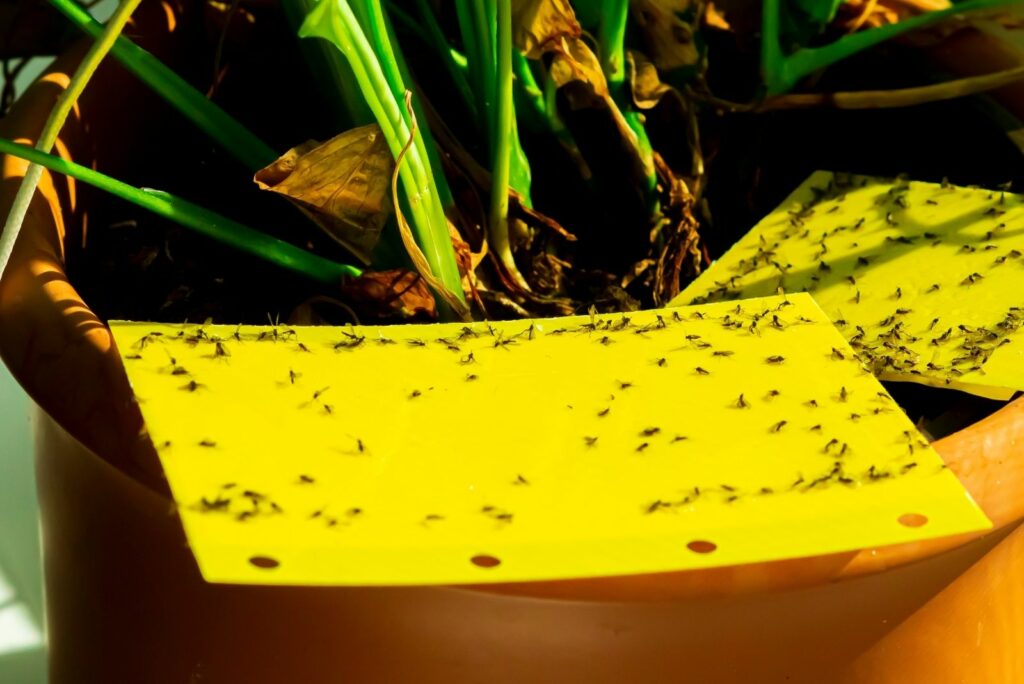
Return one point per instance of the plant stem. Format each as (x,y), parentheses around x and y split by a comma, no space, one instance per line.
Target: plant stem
(611,39)
(331,68)
(471,45)
(335,21)
(192,216)
(530,96)
(423,134)
(207,116)
(55,122)
(390,60)
(440,44)
(781,72)
(498,238)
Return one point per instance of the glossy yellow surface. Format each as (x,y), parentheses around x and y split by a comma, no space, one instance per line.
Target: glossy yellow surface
(926,281)
(560,448)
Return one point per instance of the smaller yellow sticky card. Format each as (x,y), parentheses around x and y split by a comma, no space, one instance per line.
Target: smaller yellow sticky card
(926,281)
(529,450)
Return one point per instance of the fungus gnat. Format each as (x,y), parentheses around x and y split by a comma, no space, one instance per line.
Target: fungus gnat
(971,279)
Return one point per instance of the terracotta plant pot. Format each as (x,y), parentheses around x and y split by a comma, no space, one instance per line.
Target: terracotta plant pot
(126,603)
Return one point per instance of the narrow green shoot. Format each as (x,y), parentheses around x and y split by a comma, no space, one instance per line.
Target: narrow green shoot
(335,21)
(531,104)
(55,122)
(429,145)
(464,12)
(341,90)
(207,116)
(436,38)
(502,131)
(529,96)
(611,41)
(486,30)
(782,72)
(192,216)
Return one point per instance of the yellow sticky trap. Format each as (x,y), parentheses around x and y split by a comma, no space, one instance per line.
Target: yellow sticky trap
(924,280)
(552,449)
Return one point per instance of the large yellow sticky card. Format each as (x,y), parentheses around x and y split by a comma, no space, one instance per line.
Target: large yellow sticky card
(529,450)
(925,280)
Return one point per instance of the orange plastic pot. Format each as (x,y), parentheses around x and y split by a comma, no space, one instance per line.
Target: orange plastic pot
(125,601)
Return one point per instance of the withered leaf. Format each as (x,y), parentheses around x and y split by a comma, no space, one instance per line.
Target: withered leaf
(537,24)
(468,262)
(397,293)
(645,82)
(668,39)
(343,185)
(574,63)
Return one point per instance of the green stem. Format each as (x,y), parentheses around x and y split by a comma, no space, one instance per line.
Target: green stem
(207,116)
(432,184)
(437,40)
(423,134)
(532,104)
(55,122)
(782,73)
(502,143)
(343,94)
(471,45)
(335,21)
(611,40)
(192,216)
(529,96)
(479,41)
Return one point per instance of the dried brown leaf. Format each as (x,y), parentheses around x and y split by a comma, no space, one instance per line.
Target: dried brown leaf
(574,63)
(539,24)
(668,39)
(645,82)
(715,18)
(397,293)
(344,185)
